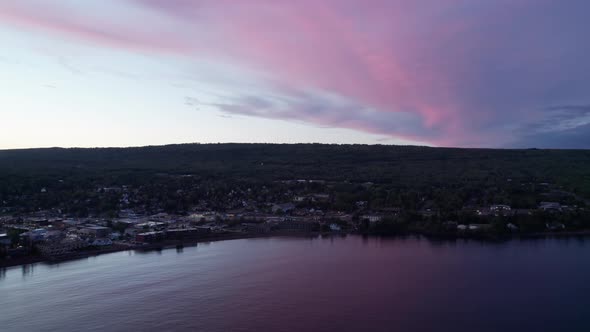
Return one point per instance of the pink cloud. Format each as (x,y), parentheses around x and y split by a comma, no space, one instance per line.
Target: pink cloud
(452,63)
(48,18)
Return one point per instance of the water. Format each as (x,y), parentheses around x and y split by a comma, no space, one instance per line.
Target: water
(297,284)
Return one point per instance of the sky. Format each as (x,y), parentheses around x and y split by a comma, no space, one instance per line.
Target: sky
(466,73)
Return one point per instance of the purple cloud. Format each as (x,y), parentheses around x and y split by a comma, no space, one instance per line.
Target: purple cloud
(456,72)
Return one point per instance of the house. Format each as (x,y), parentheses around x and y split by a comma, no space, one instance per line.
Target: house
(500,207)
(550,206)
(512,227)
(479,227)
(501,210)
(284,208)
(299,199)
(555,226)
(482,212)
(126,223)
(130,232)
(335,228)
(372,218)
(361,204)
(202,216)
(428,212)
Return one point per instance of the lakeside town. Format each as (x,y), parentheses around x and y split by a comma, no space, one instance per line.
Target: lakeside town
(288,207)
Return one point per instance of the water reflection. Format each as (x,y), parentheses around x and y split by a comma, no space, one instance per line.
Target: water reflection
(581,240)
(27,270)
(337,284)
(53,265)
(365,239)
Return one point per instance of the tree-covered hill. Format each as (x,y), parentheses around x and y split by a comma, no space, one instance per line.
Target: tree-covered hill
(406,166)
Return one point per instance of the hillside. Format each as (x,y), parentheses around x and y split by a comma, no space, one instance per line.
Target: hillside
(407,166)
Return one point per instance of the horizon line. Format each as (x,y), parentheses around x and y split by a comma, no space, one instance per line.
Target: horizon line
(283,144)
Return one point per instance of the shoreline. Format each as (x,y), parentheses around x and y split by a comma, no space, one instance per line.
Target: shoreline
(6,263)
(23,261)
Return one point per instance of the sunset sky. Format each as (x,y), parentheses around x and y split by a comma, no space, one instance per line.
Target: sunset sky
(469,73)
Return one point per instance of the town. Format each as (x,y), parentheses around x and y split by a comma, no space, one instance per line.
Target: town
(130,217)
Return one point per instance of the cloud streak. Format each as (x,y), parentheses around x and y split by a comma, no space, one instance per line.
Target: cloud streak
(456,72)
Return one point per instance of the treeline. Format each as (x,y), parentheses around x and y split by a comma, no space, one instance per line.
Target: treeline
(174,177)
(410,165)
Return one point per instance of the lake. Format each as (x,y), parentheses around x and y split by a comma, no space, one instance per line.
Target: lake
(309,284)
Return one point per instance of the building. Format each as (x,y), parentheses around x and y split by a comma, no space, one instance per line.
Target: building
(130,232)
(451,225)
(297,225)
(299,199)
(550,206)
(187,233)
(150,237)
(479,227)
(4,239)
(501,210)
(256,227)
(338,216)
(500,207)
(428,212)
(70,223)
(320,197)
(372,218)
(102,242)
(335,228)
(60,247)
(512,227)
(35,235)
(555,226)
(96,231)
(202,216)
(361,204)
(284,208)
(41,235)
(4,243)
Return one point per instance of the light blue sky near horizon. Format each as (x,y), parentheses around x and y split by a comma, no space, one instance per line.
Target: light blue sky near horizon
(68,95)
(461,73)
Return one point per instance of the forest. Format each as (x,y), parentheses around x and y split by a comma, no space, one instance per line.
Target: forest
(177,178)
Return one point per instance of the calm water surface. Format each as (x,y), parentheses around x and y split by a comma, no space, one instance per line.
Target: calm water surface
(320,284)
